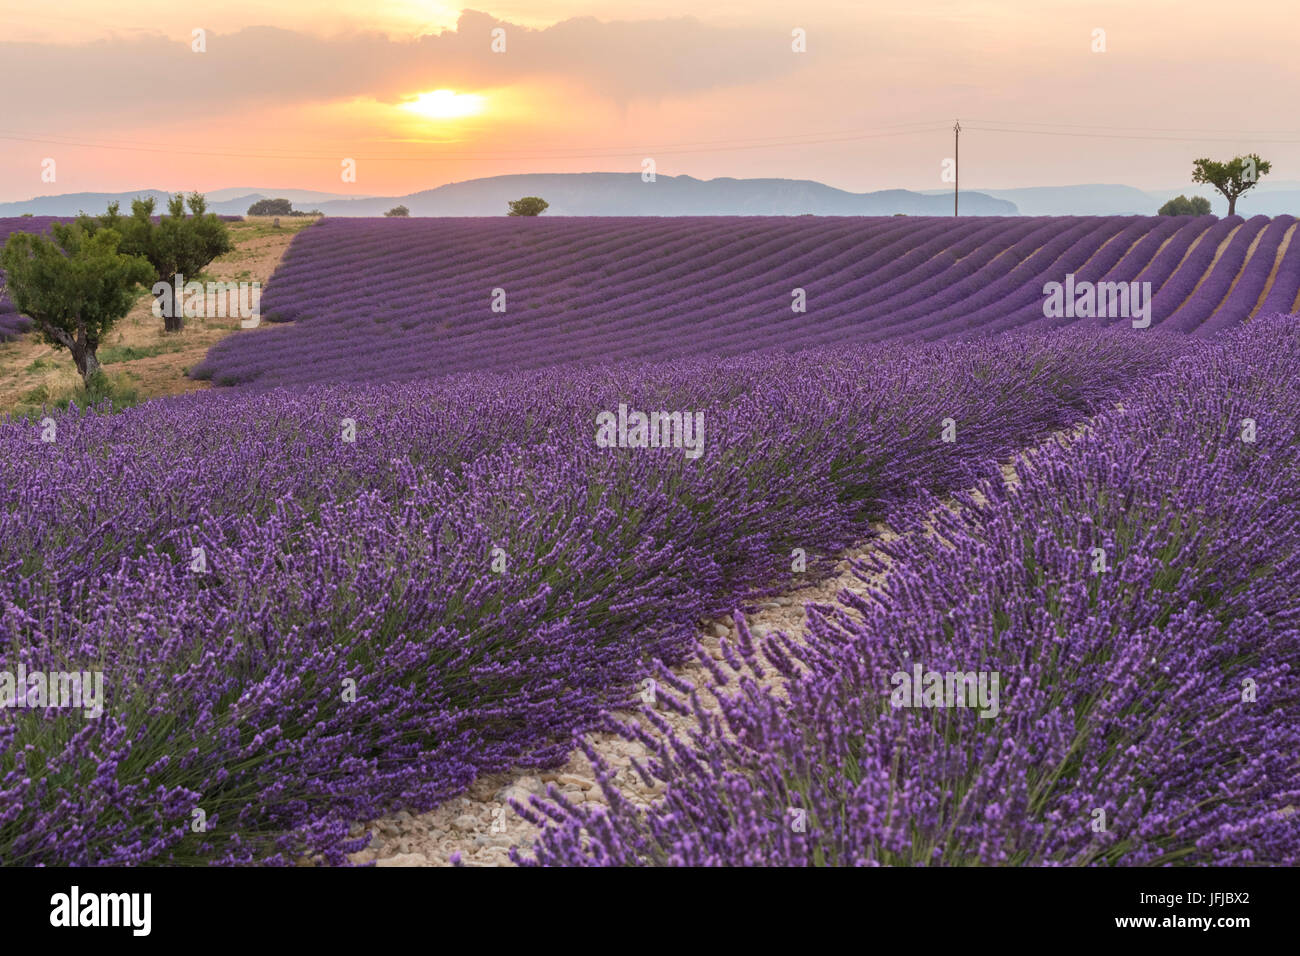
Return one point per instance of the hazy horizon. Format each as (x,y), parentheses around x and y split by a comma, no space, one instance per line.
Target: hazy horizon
(119,100)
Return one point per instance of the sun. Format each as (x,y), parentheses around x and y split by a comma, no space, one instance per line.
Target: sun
(445,104)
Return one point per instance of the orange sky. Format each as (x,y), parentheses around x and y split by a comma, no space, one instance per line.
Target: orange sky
(286,89)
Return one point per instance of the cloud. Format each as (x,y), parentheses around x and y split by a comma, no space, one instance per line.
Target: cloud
(156,76)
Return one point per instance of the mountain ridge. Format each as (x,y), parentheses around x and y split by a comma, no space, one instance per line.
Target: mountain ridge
(572,194)
(624,194)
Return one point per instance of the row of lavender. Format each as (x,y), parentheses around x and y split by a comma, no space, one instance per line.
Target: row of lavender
(312,606)
(11,323)
(1135,597)
(392,300)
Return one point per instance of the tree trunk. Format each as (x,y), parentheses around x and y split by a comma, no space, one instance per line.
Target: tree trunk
(176,321)
(82,348)
(87,362)
(1232,205)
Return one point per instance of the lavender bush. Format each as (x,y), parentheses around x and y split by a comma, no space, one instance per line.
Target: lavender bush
(387,299)
(1147,705)
(298,631)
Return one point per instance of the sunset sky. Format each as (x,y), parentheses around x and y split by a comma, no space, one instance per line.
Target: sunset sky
(287,89)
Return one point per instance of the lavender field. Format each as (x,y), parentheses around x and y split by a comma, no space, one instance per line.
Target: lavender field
(1130,694)
(400,555)
(405,299)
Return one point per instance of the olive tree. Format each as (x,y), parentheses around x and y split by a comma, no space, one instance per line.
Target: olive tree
(175,244)
(528,206)
(74,288)
(271,207)
(1233,177)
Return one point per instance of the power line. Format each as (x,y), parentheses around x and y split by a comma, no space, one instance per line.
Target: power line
(595,152)
(792,139)
(1148,129)
(956,164)
(1154,139)
(568,153)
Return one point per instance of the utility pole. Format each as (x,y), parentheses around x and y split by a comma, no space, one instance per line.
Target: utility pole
(956,162)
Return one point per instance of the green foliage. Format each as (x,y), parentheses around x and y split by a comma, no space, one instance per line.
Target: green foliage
(98,389)
(35,396)
(398,211)
(1182,206)
(117,392)
(176,244)
(528,206)
(74,287)
(129,353)
(1233,177)
(271,207)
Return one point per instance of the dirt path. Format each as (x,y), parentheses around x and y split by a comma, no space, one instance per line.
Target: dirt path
(1277,264)
(137,354)
(1205,273)
(481,826)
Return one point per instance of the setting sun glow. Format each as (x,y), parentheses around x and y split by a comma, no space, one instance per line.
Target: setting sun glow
(445,104)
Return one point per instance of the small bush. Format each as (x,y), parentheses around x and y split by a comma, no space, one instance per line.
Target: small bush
(1182,206)
(528,206)
(271,207)
(35,396)
(129,353)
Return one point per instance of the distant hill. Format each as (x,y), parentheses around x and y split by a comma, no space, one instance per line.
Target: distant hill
(1093,200)
(573,194)
(226,202)
(301,198)
(1267,199)
(624,194)
(1111,199)
(69,204)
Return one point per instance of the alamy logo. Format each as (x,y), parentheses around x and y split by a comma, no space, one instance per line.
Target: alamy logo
(102,909)
(1101,300)
(58,689)
(923,688)
(634,429)
(190,300)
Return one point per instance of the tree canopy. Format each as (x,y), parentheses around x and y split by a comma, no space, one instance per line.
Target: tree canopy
(271,207)
(1182,206)
(74,287)
(1239,174)
(528,206)
(176,244)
